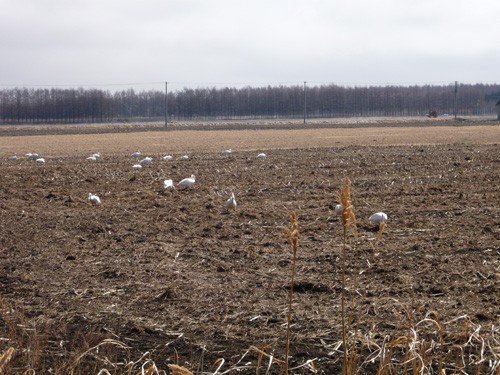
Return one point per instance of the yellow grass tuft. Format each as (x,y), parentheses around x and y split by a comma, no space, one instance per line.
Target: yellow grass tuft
(381,228)
(179,370)
(5,358)
(292,233)
(348,216)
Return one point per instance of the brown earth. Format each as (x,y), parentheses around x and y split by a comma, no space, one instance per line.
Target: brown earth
(173,271)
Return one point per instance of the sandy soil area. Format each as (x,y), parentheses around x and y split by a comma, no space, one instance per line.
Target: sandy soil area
(183,141)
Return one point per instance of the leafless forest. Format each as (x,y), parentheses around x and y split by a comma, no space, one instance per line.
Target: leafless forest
(28,105)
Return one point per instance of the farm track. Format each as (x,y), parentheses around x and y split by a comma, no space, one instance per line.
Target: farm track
(151,267)
(226,125)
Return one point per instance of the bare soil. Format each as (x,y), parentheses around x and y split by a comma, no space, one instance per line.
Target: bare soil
(169,272)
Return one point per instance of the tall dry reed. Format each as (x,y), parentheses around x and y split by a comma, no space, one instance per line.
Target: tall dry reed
(292,235)
(348,224)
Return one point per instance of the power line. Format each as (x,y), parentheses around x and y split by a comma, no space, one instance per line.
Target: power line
(248,83)
(81,84)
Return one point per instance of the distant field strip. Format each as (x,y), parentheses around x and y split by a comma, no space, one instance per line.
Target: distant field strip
(213,141)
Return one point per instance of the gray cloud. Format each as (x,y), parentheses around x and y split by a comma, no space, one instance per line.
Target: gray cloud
(57,42)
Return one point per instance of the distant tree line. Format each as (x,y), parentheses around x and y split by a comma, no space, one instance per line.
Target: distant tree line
(28,105)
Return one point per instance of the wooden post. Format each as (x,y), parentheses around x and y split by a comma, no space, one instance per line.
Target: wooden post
(166,104)
(305,102)
(455,103)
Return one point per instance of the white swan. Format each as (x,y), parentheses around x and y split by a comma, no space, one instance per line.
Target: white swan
(187,182)
(168,184)
(147,160)
(136,154)
(378,218)
(94,199)
(261,156)
(137,166)
(231,202)
(40,160)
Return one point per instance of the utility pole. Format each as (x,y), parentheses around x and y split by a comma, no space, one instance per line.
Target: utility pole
(166,104)
(305,102)
(455,101)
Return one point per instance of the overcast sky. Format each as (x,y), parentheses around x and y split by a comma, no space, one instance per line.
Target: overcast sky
(255,42)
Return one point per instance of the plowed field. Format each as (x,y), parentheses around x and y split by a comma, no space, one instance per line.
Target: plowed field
(169,272)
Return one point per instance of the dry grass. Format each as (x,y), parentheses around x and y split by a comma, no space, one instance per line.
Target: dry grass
(347,213)
(381,229)
(292,235)
(348,224)
(429,347)
(179,370)
(5,358)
